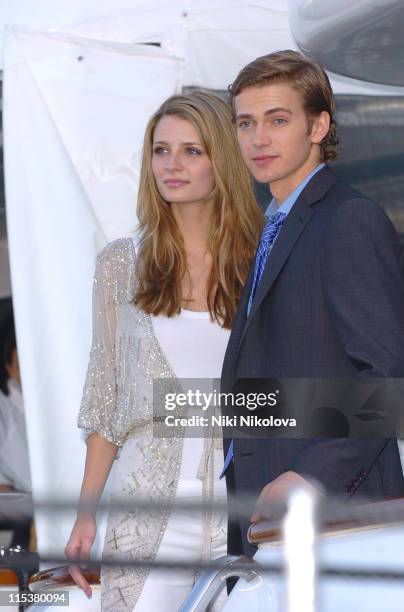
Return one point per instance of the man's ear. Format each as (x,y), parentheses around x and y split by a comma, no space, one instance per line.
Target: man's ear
(320,127)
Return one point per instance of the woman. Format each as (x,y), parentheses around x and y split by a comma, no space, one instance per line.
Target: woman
(163,309)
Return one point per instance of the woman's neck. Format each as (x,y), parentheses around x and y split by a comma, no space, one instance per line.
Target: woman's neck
(194,221)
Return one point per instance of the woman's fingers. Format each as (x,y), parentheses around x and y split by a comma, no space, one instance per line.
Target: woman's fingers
(77,550)
(79,579)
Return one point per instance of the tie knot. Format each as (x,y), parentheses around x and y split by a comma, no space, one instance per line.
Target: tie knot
(277,219)
(272,226)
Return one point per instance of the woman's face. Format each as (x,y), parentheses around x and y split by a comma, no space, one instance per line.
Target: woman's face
(181,167)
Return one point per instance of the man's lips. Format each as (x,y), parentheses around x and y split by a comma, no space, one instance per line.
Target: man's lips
(263,160)
(175,183)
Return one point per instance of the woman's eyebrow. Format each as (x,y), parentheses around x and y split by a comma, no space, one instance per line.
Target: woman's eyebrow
(198,144)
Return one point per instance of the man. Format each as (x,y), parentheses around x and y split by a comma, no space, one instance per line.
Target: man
(325,296)
(14,460)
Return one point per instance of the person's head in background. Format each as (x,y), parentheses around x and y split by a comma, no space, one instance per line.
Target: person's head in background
(284,110)
(9,365)
(192,166)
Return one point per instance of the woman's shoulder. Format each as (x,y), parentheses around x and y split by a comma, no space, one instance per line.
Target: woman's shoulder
(119,251)
(116,265)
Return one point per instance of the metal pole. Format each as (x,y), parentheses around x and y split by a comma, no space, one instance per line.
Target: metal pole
(212,581)
(300,550)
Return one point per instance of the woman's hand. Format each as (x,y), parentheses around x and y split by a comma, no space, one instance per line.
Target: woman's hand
(79,547)
(100,456)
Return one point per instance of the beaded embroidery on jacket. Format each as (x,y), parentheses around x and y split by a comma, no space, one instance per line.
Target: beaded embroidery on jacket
(125,357)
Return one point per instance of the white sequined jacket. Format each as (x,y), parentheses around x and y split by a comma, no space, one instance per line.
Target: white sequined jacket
(117,404)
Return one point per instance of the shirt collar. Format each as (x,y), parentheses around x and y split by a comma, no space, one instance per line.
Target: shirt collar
(286,206)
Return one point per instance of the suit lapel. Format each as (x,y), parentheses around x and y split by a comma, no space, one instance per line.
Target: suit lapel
(290,232)
(292,228)
(237,328)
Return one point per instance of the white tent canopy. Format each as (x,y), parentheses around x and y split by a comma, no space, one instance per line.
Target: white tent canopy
(79,86)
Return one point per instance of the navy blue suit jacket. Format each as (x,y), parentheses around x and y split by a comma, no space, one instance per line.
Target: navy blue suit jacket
(330,304)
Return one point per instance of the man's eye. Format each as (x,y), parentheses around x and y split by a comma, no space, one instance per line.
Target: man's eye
(280,121)
(244,125)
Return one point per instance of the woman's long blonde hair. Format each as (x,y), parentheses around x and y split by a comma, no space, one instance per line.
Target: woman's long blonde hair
(236,221)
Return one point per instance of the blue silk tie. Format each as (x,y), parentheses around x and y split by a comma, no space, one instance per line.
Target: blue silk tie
(269,234)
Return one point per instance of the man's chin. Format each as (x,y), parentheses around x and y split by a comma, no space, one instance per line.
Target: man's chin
(265,177)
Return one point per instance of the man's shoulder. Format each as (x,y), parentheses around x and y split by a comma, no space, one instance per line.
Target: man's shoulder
(345,200)
(350,211)
(343,192)
(345,210)
(329,192)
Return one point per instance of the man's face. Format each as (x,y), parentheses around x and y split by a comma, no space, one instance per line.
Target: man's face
(273,134)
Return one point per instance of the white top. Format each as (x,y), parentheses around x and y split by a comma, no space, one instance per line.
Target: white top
(194,346)
(14,460)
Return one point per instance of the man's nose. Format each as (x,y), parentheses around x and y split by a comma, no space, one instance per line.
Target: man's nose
(261,136)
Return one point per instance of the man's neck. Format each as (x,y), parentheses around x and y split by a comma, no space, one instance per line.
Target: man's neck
(282,189)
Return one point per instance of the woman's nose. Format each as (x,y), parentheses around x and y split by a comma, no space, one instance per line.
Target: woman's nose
(173,162)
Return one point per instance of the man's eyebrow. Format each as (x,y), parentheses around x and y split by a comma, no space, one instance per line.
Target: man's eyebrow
(278,109)
(244,116)
(271,111)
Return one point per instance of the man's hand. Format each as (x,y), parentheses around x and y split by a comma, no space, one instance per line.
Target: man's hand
(277,492)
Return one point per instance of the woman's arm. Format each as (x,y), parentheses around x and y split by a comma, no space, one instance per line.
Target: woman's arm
(110,289)
(99,459)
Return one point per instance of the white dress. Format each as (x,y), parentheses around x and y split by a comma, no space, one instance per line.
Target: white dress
(131,349)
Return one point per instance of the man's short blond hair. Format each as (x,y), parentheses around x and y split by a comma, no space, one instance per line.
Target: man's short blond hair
(308,78)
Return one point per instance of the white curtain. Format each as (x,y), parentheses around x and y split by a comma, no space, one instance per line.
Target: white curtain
(74,118)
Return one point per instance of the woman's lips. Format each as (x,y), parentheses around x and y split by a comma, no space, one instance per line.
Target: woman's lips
(263,160)
(174,183)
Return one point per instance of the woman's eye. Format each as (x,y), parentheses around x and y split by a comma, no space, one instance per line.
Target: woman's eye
(194,151)
(159,150)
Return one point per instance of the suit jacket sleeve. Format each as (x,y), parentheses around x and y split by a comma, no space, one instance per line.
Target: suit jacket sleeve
(364,288)
(364,291)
